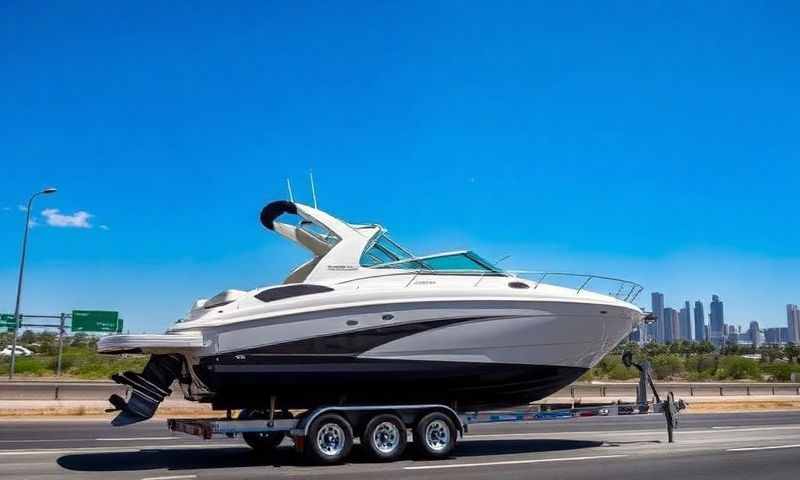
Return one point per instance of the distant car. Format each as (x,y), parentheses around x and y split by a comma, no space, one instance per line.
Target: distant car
(21,352)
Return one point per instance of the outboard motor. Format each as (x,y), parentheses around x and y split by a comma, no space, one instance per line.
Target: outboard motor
(147,390)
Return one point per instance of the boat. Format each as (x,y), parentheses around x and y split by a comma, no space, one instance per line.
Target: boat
(364,322)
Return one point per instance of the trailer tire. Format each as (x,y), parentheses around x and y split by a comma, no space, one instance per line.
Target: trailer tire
(435,435)
(385,437)
(329,439)
(262,442)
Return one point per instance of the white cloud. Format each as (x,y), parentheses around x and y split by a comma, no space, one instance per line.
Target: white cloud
(22,208)
(79,219)
(103,227)
(32,223)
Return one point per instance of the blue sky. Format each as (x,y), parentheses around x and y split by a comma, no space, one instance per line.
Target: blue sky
(645,140)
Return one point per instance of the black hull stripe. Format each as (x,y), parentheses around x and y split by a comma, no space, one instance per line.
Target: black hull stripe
(354,342)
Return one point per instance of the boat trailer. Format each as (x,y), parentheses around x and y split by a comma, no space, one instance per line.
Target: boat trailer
(327,432)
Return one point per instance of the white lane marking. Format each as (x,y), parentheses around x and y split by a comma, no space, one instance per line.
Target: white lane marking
(511,462)
(135,448)
(630,432)
(43,440)
(173,477)
(752,449)
(749,429)
(129,439)
(115,439)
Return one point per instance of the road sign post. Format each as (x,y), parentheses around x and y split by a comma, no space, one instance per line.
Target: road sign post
(60,343)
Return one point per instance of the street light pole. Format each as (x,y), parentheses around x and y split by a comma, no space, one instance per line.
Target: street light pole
(46,191)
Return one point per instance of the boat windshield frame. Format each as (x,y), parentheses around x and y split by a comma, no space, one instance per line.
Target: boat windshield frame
(382,245)
(382,248)
(425,264)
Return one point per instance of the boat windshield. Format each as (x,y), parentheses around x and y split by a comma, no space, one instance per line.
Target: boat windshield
(456,262)
(383,250)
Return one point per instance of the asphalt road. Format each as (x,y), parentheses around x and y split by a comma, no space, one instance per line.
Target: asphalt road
(748,446)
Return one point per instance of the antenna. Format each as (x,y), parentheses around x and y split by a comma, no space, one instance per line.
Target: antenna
(313,191)
(289,186)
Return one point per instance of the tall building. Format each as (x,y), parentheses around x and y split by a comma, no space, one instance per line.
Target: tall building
(686,322)
(699,322)
(772,336)
(793,323)
(784,335)
(657,328)
(756,337)
(671,325)
(716,321)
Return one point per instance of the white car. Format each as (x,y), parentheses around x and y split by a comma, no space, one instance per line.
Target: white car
(21,352)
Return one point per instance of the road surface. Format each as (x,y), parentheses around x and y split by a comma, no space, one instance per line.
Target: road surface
(724,446)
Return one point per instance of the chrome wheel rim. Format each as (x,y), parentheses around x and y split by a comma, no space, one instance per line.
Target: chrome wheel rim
(437,435)
(386,437)
(330,439)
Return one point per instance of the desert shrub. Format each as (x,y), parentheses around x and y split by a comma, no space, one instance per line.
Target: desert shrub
(621,372)
(738,368)
(700,376)
(667,365)
(611,367)
(701,366)
(781,372)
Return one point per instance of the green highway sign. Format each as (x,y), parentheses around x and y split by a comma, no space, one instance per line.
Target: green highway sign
(7,320)
(95,321)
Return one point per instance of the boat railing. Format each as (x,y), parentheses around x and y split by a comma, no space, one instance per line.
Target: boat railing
(618,288)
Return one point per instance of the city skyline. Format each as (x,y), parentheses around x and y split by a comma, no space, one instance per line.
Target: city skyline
(672,325)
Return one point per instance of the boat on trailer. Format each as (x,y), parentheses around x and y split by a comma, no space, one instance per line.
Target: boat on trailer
(365,322)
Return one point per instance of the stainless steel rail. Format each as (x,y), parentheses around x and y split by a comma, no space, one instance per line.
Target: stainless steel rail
(625,290)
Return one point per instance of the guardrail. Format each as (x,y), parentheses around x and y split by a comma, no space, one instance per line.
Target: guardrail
(36,390)
(608,390)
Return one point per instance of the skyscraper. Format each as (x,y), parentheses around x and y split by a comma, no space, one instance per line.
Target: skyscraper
(716,321)
(699,322)
(686,322)
(657,328)
(772,336)
(670,325)
(793,322)
(755,335)
(784,335)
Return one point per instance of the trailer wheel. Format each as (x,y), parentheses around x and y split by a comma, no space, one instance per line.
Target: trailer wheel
(385,437)
(435,435)
(329,440)
(262,442)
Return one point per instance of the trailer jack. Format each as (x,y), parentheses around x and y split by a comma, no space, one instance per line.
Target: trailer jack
(669,407)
